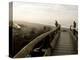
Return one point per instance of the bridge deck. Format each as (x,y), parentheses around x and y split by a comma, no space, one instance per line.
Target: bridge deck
(64,45)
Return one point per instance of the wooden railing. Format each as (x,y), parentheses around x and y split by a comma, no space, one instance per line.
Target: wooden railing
(49,51)
(50,35)
(74,40)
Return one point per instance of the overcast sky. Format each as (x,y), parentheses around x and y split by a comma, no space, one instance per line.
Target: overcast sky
(45,13)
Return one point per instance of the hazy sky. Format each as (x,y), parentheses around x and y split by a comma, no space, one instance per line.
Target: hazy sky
(45,13)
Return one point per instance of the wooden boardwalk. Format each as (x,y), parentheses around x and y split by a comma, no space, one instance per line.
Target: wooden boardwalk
(64,45)
(61,42)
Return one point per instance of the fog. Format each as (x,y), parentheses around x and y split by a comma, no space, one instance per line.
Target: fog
(45,13)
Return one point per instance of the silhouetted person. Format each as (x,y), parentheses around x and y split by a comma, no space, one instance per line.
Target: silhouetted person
(74,26)
(56,23)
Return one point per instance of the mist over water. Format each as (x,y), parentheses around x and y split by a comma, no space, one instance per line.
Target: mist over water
(45,13)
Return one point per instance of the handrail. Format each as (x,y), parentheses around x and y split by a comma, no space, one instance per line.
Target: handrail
(28,48)
(75,41)
(49,51)
(75,32)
